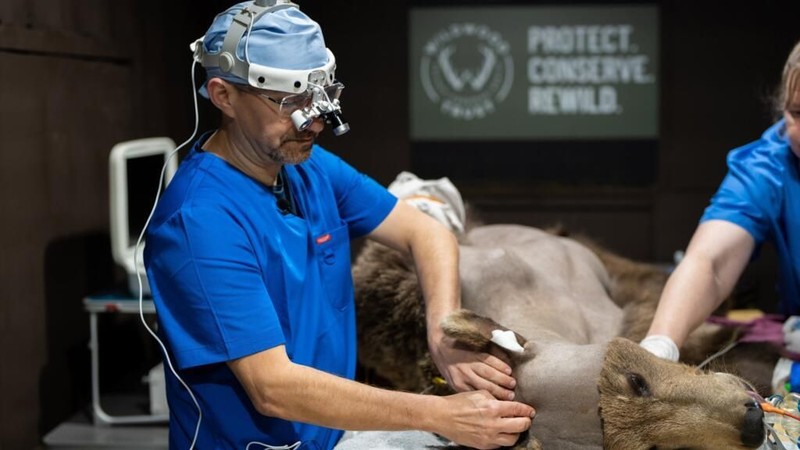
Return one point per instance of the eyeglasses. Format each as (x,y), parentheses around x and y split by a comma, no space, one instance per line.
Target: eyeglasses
(291,103)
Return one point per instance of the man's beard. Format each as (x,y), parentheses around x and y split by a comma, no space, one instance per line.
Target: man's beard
(293,153)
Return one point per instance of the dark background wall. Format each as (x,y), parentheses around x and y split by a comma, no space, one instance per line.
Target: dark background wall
(76,77)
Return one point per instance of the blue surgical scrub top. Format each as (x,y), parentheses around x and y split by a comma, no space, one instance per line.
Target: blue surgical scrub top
(232,275)
(761,193)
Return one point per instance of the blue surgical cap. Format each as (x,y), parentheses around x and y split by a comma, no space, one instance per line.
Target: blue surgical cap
(284,39)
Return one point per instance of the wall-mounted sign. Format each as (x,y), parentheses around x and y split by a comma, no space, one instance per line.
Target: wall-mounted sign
(522,73)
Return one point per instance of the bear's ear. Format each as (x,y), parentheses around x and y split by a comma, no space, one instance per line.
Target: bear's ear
(481,334)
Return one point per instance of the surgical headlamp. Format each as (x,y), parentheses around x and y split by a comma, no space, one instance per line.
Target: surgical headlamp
(313,82)
(324,105)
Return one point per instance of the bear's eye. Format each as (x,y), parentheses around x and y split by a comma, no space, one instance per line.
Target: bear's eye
(639,385)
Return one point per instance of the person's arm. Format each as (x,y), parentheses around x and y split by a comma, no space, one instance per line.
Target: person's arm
(435,253)
(714,261)
(279,388)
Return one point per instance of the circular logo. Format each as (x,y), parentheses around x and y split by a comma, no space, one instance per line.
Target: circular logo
(467,70)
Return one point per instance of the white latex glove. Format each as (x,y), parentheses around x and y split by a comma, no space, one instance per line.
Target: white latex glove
(662,346)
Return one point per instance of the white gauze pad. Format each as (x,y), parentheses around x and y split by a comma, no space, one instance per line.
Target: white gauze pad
(507,340)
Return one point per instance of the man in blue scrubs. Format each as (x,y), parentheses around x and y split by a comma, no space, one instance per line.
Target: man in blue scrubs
(758,201)
(248,257)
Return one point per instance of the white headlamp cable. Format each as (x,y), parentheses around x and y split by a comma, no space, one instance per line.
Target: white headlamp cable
(247,38)
(294,446)
(139,272)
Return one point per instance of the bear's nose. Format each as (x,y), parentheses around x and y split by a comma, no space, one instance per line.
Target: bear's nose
(753,428)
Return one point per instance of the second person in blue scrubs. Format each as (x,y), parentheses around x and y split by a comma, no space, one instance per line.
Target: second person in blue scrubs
(758,201)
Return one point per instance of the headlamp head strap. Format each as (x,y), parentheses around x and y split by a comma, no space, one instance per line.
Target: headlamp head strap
(263,77)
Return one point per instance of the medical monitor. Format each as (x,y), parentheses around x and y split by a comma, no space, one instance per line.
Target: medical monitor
(134,170)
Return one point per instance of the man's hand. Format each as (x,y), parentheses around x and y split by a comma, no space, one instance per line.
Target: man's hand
(466,370)
(477,420)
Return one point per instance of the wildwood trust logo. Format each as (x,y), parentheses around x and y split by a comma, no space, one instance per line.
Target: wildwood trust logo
(466,69)
(534,72)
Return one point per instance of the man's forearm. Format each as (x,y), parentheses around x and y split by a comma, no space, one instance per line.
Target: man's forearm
(279,388)
(436,259)
(305,394)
